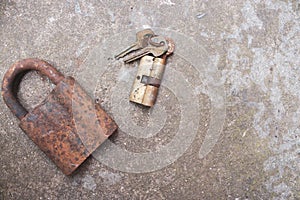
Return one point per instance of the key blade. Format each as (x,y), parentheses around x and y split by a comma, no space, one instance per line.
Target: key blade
(126,51)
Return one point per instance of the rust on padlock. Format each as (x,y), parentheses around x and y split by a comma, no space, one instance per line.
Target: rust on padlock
(14,75)
(67,125)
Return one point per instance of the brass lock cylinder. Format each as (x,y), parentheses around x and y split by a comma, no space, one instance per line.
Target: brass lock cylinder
(148,80)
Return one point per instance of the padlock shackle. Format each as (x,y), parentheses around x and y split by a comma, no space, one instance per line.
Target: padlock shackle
(13,76)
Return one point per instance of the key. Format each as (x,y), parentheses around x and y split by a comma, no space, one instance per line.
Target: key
(157,46)
(171,46)
(142,38)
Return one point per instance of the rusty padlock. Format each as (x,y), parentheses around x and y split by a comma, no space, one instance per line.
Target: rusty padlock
(147,81)
(68,126)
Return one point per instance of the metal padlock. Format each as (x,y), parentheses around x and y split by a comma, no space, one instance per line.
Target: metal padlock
(147,81)
(68,126)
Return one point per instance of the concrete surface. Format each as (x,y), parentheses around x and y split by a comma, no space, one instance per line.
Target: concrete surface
(249,50)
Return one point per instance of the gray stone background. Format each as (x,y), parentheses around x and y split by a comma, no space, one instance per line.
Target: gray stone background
(254,46)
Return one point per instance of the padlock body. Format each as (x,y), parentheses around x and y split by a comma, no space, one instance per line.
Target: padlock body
(67,125)
(147,80)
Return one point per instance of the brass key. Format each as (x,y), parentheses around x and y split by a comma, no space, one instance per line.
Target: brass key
(157,46)
(142,38)
(171,46)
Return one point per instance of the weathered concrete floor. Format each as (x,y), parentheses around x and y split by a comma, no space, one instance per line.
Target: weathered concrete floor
(234,78)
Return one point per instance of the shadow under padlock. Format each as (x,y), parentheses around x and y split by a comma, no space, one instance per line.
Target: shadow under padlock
(68,126)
